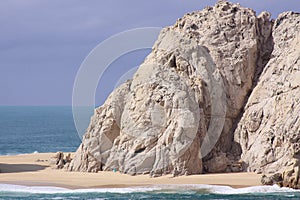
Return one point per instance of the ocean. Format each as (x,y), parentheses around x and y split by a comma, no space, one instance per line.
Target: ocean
(153,192)
(29,129)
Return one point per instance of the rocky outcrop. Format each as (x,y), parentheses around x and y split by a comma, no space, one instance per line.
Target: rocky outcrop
(288,178)
(220,92)
(60,161)
(269,131)
(240,43)
(178,113)
(271,180)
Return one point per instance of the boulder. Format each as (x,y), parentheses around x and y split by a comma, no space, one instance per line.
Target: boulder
(217,164)
(271,180)
(291,174)
(59,161)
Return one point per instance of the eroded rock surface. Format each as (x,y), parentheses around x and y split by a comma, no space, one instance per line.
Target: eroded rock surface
(291,175)
(60,161)
(269,131)
(240,44)
(189,93)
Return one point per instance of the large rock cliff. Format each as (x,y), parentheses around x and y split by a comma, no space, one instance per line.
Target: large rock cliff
(181,112)
(269,131)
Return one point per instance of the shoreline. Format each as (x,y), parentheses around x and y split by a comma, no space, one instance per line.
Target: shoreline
(35,170)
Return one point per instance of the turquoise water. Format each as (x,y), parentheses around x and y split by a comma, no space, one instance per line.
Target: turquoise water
(28,129)
(51,129)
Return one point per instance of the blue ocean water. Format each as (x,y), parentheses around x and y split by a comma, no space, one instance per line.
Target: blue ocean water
(134,195)
(28,129)
(155,192)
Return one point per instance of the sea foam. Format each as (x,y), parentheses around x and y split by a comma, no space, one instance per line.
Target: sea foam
(59,190)
(17,154)
(154,188)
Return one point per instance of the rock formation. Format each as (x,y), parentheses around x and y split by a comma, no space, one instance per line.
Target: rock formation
(240,44)
(269,131)
(184,110)
(288,178)
(273,179)
(60,161)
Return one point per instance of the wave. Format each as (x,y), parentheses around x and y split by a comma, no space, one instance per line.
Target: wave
(246,190)
(59,190)
(190,188)
(16,153)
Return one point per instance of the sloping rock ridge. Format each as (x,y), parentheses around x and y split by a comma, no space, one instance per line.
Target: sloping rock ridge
(182,111)
(269,131)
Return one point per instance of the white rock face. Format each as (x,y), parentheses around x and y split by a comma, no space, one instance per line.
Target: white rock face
(269,131)
(153,123)
(180,113)
(240,44)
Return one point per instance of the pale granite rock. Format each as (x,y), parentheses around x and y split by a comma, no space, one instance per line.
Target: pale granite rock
(290,175)
(269,131)
(59,161)
(152,123)
(271,180)
(240,44)
(189,92)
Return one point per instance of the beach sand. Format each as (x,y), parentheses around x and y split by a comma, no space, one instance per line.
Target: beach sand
(35,170)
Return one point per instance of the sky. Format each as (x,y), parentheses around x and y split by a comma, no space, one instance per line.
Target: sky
(44,42)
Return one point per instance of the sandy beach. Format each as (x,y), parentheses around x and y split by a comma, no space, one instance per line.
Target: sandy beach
(36,170)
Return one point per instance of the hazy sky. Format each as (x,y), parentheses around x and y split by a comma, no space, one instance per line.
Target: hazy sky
(43,42)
